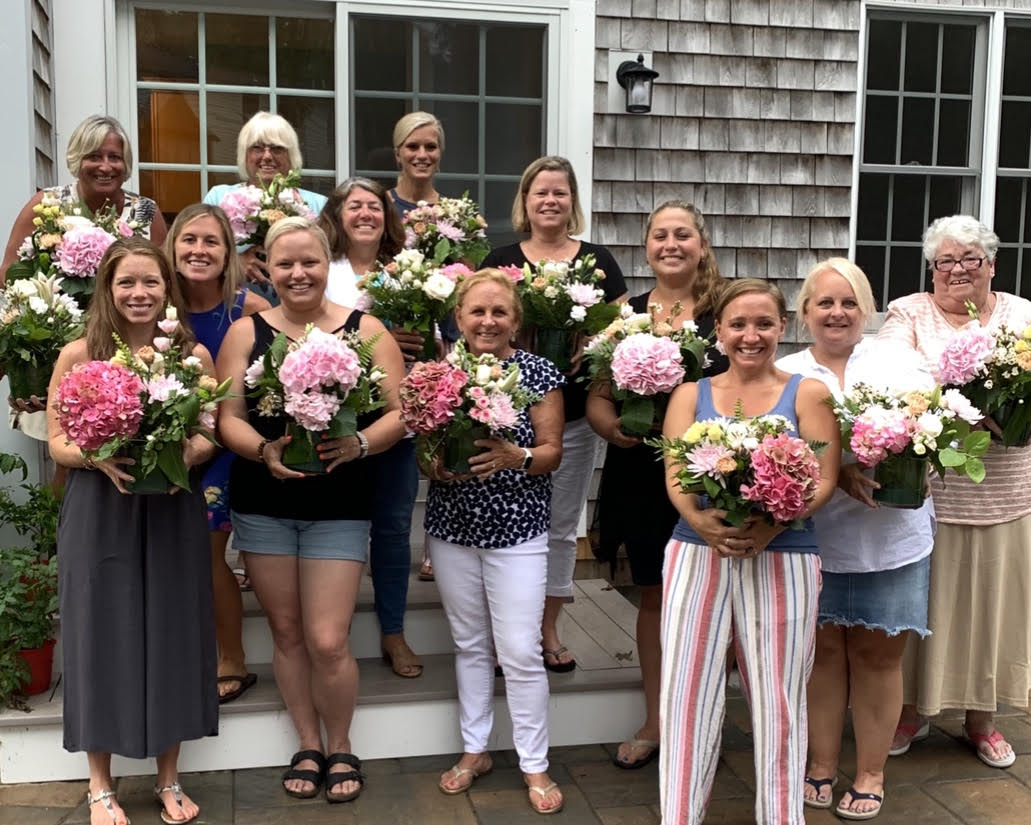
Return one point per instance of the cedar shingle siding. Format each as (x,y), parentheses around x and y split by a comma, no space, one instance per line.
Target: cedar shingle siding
(43,93)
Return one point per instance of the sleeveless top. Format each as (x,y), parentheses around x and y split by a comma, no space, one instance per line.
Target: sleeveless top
(343,494)
(137,207)
(210,327)
(795,541)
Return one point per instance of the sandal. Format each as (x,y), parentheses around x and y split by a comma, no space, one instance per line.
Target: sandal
(816,784)
(846,812)
(177,792)
(912,733)
(559,666)
(243,579)
(457,773)
(426,571)
(542,791)
(305,774)
(104,798)
(649,746)
(246,681)
(402,659)
(354,775)
(993,739)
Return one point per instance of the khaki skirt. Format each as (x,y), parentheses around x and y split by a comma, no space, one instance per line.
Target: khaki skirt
(979,614)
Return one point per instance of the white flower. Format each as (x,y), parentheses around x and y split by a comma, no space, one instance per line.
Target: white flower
(550,292)
(406,277)
(193,362)
(38,305)
(482,374)
(75,221)
(22,289)
(930,424)
(958,403)
(625,311)
(578,313)
(438,286)
(555,269)
(171,313)
(409,258)
(919,448)
(254,373)
(641,321)
(690,326)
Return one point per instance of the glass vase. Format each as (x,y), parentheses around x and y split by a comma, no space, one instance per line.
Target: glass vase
(903,481)
(1014,419)
(459,447)
(27,379)
(300,453)
(556,345)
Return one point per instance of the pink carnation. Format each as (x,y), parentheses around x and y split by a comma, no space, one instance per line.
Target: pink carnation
(879,431)
(785,474)
(647,364)
(241,206)
(99,401)
(81,250)
(429,395)
(965,355)
(503,415)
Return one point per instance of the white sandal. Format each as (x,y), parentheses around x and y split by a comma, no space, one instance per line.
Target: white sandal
(177,792)
(104,798)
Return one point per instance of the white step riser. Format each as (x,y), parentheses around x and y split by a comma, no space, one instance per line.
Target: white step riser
(253,740)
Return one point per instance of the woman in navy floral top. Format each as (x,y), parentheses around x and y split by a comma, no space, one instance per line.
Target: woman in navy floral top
(487,532)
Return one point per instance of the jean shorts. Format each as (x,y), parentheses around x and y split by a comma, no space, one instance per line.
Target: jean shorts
(344,540)
(892,601)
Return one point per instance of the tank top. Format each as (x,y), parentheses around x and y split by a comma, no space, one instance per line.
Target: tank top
(210,327)
(343,494)
(794,541)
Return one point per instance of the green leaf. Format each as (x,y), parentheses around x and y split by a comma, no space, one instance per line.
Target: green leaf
(441,250)
(975,470)
(977,442)
(638,414)
(950,457)
(170,460)
(345,422)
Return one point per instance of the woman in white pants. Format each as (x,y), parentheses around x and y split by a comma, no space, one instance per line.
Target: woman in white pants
(487,534)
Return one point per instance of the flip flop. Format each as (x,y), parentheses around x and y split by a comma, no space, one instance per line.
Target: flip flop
(653,751)
(816,784)
(916,733)
(243,579)
(177,793)
(845,813)
(426,571)
(402,660)
(994,739)
(456,772)
(559,666)
(246,681)
(542,791)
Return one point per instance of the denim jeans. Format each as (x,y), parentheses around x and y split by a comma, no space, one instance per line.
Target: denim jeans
(396,477)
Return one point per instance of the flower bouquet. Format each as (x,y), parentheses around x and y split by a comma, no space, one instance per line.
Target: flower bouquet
(901,433)
(747,466)
(141,405)
(36,321)
(561,301)
(413,293)
(322,383)
(993,370)
(644,360)
(253,209)
(450,404)
(448,231)
(68,242)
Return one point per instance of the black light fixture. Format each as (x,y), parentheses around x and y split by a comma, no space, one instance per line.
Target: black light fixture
(637,79)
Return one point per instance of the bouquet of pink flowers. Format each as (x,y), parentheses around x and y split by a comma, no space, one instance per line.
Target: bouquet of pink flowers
(448,231)
(322,383)
(644,359)
(449,404)
(747,466)
(993,370)
(143,405)
(253,209)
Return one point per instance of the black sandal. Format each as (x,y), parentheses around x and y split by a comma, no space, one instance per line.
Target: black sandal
(305,775)
(355,775)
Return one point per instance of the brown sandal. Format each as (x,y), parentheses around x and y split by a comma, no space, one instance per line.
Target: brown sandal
(401,658)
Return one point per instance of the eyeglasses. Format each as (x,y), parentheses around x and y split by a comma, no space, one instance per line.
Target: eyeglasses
(949,264)
(273,148)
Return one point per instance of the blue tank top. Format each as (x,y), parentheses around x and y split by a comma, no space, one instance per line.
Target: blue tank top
(795,541)
(210,327)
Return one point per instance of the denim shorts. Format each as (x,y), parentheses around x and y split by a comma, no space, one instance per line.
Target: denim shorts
(893,601)
(345,540)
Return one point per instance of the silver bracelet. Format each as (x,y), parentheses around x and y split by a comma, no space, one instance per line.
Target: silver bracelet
(363,445)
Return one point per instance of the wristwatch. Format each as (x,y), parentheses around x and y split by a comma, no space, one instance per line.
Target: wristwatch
(527,459)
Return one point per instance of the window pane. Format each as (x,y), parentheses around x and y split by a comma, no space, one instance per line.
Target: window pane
(1015,135)
(1005,279)
(374,121)
(461,126)
(906,267)
(169,127)
(216,178)
(921,57)
(881,128)
(1025,274)
(227,113)
(166,46)
(449,57)
(304,53)
(907,211)
(312,118)
(873,207)
(498,206)
(513,137)
(456,187)
(958,44)
(502,43)
(173,191)
(945,197)
(1009,193)
(953,132)
(870,259)
(886,43)
(382,55)
(237,49)
(917,134)
(1016,73)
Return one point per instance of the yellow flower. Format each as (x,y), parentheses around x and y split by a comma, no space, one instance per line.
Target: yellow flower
(714,432)
(916,403)
(1021,346)
(120,358)
(37,221)
(695,433)
(1027,334)
(663,329)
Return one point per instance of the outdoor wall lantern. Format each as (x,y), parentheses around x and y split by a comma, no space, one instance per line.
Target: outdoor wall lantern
(637,79)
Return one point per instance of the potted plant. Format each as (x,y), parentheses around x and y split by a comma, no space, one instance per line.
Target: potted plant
(28,587)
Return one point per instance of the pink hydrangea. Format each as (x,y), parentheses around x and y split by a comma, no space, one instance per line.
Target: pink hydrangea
(81,250)
(320,360)
(312,410)
(241,206)
(785,474)
(879,431)
(965,355)
(647,364)
(99,401)
(430,393)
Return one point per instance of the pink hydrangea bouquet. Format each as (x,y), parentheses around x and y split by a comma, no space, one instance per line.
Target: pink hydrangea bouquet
(253,209)
(993,370)
(643,359)
(321,383)
(68,242)
(412,292)
(449,404)
(143,405)
(448,231)
(562,302)
(901,432)
(747,466)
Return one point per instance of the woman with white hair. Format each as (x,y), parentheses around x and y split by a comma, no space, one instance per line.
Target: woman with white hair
(979,655)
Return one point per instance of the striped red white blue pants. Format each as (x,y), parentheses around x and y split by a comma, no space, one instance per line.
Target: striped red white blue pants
(766,607)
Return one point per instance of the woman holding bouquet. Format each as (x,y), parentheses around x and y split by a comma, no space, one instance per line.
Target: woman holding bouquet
(754,587)
(306,536)
(487,533)
(135,575)
(979,653)
(633,507)
(875,560)
(363,230)
(547,206)
(200,247)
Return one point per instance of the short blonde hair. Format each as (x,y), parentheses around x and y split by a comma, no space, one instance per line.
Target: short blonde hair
(416,120)
(265,127)
(88,136)
(850,272)
(491,276)
(548,163)
(295,223)
(746,286)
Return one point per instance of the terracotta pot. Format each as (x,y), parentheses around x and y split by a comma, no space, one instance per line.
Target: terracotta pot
(41,665)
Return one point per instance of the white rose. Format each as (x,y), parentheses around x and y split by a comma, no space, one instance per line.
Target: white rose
(75,222)
(578,313)
(409,258)
(482,374)
(930,424)
(438,286)
(550,292)
(38,305)
(22,288)
(406,277)
(555,269)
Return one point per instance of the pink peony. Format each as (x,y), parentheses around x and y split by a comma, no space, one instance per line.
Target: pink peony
(879,431)
(965,355)
(456,272)
(513,272)
(99,401)
(785,474)
(647,364)
(81,250)
(429,395)
(584,295)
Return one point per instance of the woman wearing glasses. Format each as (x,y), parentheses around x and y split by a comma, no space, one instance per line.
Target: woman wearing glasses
(979,653)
